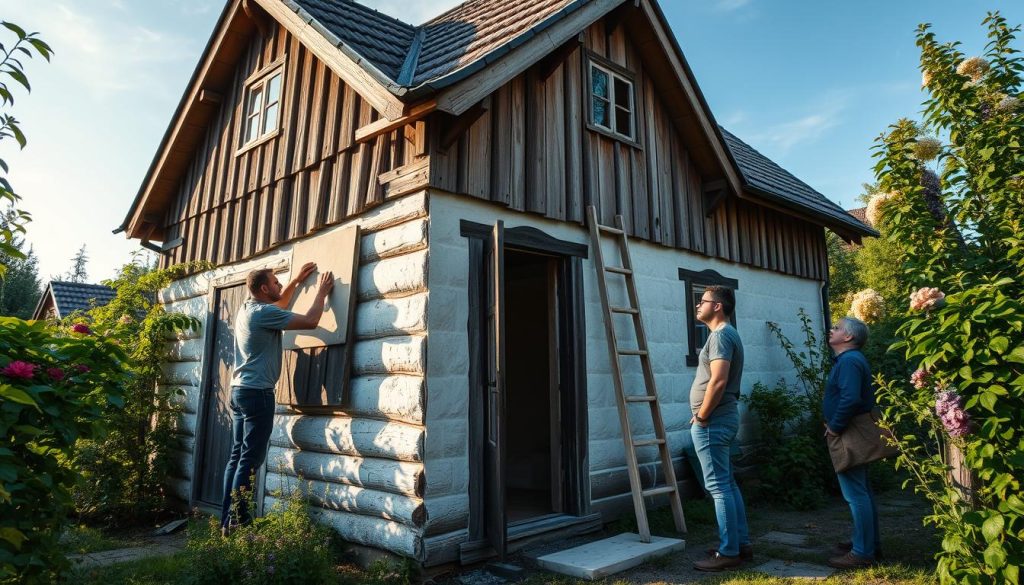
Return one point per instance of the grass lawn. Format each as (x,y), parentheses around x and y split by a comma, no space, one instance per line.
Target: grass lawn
(84,539)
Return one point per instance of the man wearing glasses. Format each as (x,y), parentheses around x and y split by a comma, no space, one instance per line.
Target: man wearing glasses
(713,400)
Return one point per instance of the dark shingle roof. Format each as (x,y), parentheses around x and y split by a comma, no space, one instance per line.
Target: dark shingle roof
(769,179)
(466,33)
(461,37)
(73,296)
(383,41)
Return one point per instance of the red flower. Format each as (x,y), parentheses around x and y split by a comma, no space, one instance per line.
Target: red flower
(19,370)
(82,368)
(81,328)
(56,374)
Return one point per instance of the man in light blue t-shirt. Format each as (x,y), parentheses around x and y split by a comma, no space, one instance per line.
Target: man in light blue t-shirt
(257,366)
(713,402)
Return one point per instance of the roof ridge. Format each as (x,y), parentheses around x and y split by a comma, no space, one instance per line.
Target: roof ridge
(412,28)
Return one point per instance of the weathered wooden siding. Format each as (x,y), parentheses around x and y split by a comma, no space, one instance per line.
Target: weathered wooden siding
(232,205)
(531,150)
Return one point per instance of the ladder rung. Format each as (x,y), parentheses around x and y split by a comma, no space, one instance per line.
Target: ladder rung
(639,352)
(627,310)
(608,229)
(648,442)
(641,398)
(665,489)
(618,270)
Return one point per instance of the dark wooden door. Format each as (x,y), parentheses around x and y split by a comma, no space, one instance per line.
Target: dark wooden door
(494,446)
(214,438)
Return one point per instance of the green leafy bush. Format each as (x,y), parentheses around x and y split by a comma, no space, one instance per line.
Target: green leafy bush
(55,386)
(122,473)
(286,546)
(789,465)
(959,233)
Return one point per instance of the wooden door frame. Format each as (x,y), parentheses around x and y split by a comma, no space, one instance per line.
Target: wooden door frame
(229,279)
(569,258)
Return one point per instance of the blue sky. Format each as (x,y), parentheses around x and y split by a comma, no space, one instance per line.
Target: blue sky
(808,83)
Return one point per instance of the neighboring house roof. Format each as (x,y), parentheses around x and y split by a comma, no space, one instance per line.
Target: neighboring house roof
(861,214)
(68,297)
(765,177)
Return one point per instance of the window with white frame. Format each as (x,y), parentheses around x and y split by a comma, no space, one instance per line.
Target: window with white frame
(611,102)
(263,105)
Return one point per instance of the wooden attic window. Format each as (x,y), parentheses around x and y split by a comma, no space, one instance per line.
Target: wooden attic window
(262,105)
(612,102)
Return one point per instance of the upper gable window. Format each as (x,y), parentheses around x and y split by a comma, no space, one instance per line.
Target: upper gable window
(263,105)
(611,102)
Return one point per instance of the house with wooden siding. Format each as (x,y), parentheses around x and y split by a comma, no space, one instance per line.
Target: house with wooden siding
(490,128)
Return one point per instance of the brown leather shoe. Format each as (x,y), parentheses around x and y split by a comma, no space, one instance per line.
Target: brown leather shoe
(718,562)
(850,561)
(746,552)
(841,548)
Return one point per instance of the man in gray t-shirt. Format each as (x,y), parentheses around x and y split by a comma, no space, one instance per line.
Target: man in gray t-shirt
(713,397)
(257,366)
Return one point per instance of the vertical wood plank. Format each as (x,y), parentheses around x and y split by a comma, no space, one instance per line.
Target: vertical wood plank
(574,128)
(554,144)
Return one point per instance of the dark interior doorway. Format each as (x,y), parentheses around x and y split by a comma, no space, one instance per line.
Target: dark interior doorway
(533,456)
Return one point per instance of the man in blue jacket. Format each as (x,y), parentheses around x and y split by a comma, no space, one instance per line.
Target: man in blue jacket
(849,392)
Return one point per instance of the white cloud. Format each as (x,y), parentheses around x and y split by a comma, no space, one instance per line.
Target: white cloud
(414,12)
(808,128)
(730,5)
(108,55)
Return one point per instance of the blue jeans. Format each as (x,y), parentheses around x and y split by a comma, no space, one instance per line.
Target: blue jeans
(857,492)
(713,444)
(252,420)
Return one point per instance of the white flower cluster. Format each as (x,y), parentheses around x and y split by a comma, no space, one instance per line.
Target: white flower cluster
(1008,104)
(873,213)
(927,148)
(973,67)
(868,306)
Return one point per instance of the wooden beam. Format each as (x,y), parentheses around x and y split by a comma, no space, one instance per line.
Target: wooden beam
(549,64)
(258,16)
(457,126)
(210,97)
(383,126)
(715,193)
(348,70)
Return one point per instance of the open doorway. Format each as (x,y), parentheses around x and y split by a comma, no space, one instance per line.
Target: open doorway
(533,484)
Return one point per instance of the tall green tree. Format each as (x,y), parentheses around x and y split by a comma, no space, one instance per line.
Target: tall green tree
(19,285)
(78,271)
(959,238)
(12,70)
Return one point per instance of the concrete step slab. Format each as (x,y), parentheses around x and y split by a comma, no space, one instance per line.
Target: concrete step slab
(608,556)
(785,538)
(794,570)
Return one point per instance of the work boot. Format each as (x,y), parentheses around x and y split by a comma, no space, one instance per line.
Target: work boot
(850,561)
(841,548)
(718,562)
(746,552)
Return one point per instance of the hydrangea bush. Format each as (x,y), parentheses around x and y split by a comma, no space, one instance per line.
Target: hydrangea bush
(961,241)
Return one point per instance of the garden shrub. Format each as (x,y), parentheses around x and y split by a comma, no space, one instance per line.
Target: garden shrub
(123,473)
(959,232)
(788,460)
(285,546)
(55,386)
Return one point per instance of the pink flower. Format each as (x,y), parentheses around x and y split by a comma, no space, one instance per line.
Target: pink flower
(19,370)
(81,328)
(926,299)
(949,407)
(55,373)
(82,368)
(920,378)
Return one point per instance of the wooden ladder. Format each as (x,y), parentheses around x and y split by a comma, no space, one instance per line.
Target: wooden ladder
(623,400)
